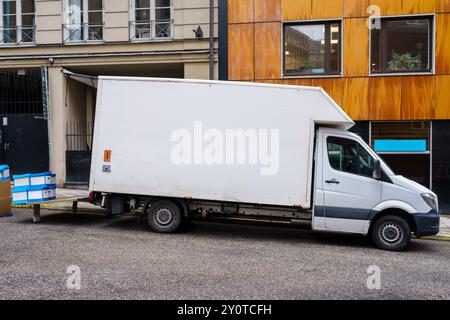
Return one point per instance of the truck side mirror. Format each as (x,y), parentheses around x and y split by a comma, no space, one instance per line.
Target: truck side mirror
(376,170)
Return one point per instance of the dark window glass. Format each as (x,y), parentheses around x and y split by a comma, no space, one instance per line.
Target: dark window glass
(162,3)
(405,147)
(95,5)
(349,156)
(142,3)
(399,135)
(27,6)
(312,48)
(412,166)
(361,128)
(162,14)
(441,163)
(21,94)
(401,45)
(9,7)
(143,15)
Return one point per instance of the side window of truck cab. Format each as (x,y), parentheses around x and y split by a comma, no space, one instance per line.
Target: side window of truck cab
(349,156)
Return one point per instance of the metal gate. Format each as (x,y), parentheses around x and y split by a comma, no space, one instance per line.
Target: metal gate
(78,153)
(23,126)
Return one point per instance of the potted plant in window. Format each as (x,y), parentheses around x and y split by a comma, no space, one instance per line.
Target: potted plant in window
(404,62)
(308,65)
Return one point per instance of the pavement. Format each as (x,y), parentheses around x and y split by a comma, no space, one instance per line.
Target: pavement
(119,258)
(62,193)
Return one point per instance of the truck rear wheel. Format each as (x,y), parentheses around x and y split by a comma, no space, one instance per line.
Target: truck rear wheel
(163,216)
(391,233)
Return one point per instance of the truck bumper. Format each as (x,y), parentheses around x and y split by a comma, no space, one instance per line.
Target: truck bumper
(427,224)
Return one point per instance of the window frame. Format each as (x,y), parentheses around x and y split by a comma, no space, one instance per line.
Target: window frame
(432,50)
(152,38)
(84,25)
(429,143)
(18,26)
(339,74)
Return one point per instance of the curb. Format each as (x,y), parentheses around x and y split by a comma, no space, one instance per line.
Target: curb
(438,238)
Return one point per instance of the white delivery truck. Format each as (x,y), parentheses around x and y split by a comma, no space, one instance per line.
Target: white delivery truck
(182,149)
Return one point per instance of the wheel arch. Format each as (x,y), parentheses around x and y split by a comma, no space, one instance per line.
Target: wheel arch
(395,211)
(181,203)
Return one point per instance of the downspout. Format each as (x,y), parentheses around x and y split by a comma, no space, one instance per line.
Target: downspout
(211,39)
(46,111)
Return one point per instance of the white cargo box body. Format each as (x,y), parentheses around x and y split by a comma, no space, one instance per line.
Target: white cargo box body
(136,118)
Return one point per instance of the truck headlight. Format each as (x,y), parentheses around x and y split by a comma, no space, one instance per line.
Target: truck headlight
(430,200)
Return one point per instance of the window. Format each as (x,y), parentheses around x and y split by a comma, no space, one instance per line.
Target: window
(349,156)
(405,146)
(17,23)
(84,20)
(312,48)
(152,19)
(402,44)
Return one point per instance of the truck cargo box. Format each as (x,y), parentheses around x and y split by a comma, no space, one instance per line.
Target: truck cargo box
(181,138)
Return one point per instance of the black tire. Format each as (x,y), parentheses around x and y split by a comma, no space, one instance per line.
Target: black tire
(164,216)
(391,233)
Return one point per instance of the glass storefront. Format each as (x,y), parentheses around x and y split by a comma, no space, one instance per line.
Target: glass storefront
(405,146)
(441,163)
(418,150)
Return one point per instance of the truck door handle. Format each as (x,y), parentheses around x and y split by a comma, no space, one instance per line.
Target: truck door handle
(332,181)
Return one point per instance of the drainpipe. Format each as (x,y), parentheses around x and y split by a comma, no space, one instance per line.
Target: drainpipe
(46,109)
(211,39)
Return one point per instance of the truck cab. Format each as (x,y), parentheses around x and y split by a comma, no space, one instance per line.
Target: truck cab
(356,192)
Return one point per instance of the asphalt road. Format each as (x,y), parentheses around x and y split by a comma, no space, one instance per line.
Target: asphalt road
(120,258)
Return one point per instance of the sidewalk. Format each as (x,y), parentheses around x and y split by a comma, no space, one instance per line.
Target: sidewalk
(62,193)
(444,226)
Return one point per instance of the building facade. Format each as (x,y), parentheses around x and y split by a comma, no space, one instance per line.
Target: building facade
(51,52)
(385,62)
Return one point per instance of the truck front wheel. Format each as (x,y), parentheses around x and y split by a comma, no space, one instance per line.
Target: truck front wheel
(391,233)
(163,216)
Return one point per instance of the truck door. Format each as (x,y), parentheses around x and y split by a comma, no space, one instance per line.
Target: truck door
(349,190)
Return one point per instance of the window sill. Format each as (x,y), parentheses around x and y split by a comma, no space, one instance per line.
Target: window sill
(82,42)
(152,40)
(313,76)
(397,74)
(16,45)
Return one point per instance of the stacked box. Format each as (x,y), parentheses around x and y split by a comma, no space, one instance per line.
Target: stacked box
(4,172)
(35,187)
(5,191)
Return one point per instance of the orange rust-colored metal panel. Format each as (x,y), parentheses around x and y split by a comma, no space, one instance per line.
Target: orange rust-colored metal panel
(443,43)
(356,47)
(443,6)
(419,6)
(333,86)
(387,7)
(356,98)
(267,50)
(240,11)
(322,9)
(418,95)
(442,109)
(241,48)
(296,9)
(267,10)
(385,98)
(356,8)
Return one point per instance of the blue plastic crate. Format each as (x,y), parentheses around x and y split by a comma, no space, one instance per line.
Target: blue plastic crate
(4,172)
